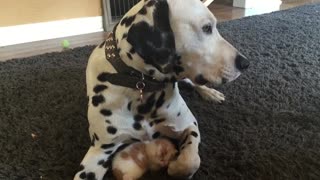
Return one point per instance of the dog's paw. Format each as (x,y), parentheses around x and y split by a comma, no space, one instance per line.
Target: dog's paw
(210,94)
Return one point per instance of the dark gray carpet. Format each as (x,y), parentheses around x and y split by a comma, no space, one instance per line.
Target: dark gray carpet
(268,128)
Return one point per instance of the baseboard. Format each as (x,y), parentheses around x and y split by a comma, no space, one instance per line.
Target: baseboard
(207,2)
(49,30)
(256,4)
(45,46)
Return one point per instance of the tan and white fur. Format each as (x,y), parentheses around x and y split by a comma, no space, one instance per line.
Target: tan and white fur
(132,162)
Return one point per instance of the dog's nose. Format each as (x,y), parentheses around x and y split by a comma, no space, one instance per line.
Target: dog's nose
(242,62)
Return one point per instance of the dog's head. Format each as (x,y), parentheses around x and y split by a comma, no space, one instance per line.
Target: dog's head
(178,37)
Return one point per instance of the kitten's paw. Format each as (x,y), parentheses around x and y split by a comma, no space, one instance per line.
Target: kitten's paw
(127,177)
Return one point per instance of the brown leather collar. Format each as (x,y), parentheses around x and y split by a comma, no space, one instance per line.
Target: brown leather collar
(127,76)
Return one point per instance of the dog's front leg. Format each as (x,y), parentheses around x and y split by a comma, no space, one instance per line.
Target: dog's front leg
(94,165)
(210,94)
(206,93)
(188,161)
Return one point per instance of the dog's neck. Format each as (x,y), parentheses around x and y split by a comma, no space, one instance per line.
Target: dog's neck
(146,69)
(135,61)
(127,75)
(132,58)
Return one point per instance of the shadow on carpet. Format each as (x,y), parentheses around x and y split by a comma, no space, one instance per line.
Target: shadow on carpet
(268,128)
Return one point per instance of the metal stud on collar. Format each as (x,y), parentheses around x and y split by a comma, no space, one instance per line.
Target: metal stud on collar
(140,86)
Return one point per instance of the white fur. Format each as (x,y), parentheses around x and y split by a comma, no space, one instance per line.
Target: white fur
(207,54)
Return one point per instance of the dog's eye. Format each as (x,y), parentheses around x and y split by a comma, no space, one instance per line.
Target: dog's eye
(207,28)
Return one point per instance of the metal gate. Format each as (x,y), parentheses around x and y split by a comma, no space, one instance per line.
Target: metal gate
(113,10)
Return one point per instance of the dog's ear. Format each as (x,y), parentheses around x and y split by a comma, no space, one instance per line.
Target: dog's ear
(155,44)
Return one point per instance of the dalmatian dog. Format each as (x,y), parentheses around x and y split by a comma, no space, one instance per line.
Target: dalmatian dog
(132,82)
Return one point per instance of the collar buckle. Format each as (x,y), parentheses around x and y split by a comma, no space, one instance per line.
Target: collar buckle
(140,86)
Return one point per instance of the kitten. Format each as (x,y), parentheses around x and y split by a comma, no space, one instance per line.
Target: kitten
(133,161)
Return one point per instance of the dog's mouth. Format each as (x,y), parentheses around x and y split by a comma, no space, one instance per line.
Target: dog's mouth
(230,77)
(214,85)
(217,82)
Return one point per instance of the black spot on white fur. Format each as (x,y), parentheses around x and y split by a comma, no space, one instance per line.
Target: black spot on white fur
(137,126)
(103,77)
(107,146)
(81,167)
(147,107)
(150,124)
(193,133)
(100,162)
(155,44)
(88,176)
(112,130)
(124,36)
(158,121)
(96,136)
(143,10)
(83,175)
(93,140)
(184,140)
(91,176)
(106,112)
(138,117)
(129,105)
(135,140)
(132,51)
(151,3)
(108,162)
(154,114)
(129,56)
(108,152)
(160,100)
(99,88)
(156,135)
(96,100)
(151,72)
(127,21)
